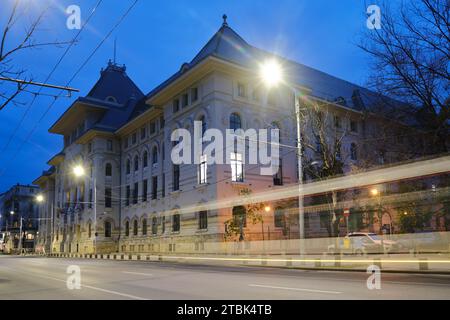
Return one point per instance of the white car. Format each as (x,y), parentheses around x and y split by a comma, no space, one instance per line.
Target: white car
(363,243)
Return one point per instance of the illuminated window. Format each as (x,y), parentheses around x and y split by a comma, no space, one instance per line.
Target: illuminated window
(237,167)
(203,170)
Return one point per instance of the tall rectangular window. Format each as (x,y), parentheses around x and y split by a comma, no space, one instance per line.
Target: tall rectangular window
(144,190)
(176,177)
(241,90)
(135,193)
(278,177)
(128,195)
(185,100)
(162,122)
(203,170)
(143,133)
(108,197)
(176,223)
(176,105)
(237,167)
(109,145)
(337,121)
(194,94)
(152,127)
(134,138)
(154,188)
(203,220)
(353,126)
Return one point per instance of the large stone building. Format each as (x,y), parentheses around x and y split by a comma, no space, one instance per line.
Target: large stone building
(146,203)
(19,211)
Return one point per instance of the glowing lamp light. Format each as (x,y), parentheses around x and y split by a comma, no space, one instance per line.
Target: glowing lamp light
(271,73)
(374,192)
(40,198)
(267,209)
(78,171)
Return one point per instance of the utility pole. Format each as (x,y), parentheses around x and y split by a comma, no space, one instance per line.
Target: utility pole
(301,210)
(20,236)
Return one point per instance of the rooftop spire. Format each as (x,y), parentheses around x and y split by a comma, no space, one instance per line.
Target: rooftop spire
(225,17)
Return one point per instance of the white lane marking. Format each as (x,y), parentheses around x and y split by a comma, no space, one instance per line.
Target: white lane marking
(138,273)
(95,288)
(294,289)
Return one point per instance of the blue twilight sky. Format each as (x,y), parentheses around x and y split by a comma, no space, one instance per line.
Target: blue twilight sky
(153,42)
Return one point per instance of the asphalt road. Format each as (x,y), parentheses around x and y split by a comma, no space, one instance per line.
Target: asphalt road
(46,278)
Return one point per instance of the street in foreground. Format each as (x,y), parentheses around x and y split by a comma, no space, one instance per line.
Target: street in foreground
(46,278)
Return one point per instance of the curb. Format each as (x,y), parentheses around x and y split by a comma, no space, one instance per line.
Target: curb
(317,264)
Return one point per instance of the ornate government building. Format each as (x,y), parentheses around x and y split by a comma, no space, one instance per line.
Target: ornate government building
(130,197)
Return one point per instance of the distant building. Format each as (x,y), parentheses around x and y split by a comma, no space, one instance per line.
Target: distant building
(18,203)
(145,203)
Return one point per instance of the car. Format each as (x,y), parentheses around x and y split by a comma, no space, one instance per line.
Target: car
(362,243)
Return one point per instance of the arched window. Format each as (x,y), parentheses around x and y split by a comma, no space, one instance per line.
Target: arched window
(108,170)
(279,218)
(127,228)
(135,228)
(145,160)
(354,152)
(107,229)
(128,166)
(154,226)
(136,163)
(154,155)
(202,119)
(240,216)
(144,227)
(235,121)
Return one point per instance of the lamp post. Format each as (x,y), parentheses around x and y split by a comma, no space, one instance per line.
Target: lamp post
(377,193)
(78,172)
(271,74)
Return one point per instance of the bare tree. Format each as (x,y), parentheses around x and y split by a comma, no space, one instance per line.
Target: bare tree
(10,48)
(410,62)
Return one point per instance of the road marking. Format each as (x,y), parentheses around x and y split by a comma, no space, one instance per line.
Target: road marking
(294,289)
(138,273)
(90,287)
(100,289)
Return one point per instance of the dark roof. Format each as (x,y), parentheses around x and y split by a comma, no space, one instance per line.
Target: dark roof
(227,45)
(115,95)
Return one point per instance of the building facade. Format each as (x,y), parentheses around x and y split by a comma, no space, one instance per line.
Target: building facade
(19,212)
(134,198)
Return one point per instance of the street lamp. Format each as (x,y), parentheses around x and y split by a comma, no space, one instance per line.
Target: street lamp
(376,193)
(79,172)
(40,198)
(271,73)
